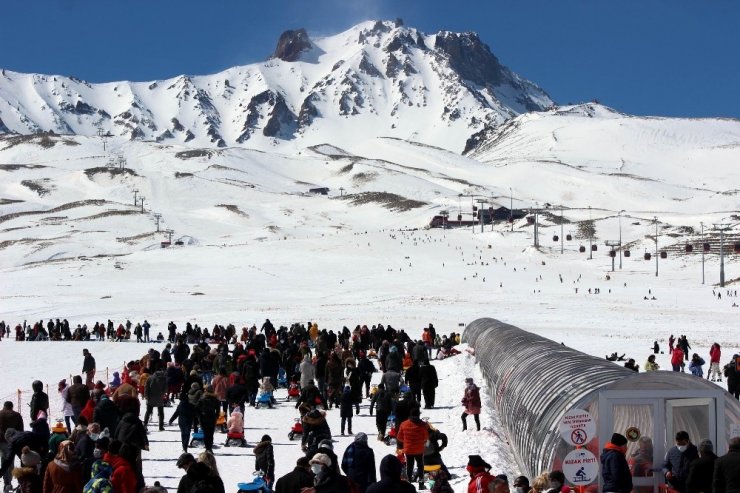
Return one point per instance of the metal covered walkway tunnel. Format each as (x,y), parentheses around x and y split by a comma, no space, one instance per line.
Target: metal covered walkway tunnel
(538,385)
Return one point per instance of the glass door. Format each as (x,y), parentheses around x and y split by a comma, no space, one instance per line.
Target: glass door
(698,417)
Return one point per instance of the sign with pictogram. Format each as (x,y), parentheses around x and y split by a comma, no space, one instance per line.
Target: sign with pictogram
(581,467)
(577,427)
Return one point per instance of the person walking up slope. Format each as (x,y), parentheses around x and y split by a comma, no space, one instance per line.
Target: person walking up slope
(471,401)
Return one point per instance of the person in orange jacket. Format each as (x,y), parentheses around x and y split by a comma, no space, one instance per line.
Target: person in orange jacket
(412,435)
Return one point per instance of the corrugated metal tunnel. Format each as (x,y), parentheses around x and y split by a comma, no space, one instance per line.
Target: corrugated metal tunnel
(534,381)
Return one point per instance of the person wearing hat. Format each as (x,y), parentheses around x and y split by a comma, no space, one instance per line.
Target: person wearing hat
(615,472)
(264,459)
(300,477)
(58,435)
(480,477)
(325,478)
(390,478)
(27,475)
(358,462)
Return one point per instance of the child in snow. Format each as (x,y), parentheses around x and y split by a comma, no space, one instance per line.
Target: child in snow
(235,422)
(345,409)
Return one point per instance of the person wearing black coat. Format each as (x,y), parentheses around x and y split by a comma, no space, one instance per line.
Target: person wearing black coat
(390,478)
(16,440)
(615,472)
(346,403)
(264,459)
(310,397)
(209,408)
(429,383)
(404,408)
(727,470)
(184,414)
(358,462)
(366,368)
(315,429)
(237,394)
(131,430)
(198,472)
(383,403)
(39,400)
(413,379)
(106,414)
(297,479)
(701,471)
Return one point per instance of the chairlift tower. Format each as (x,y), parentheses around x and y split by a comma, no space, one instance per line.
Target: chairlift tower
(612,253)
(655,218)
(722,227)
(141,199)
(169,235)
(481,203)
(157,217)
(136,190)
(702,252)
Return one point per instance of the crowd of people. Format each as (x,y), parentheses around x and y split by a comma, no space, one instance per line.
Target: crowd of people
(211,379)
(99,442)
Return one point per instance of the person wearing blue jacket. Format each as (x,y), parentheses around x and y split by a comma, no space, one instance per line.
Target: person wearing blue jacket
(678,461)
(615,472)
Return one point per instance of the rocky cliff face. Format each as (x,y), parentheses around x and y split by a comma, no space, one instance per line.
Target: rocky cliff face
(291,44)
(376,79)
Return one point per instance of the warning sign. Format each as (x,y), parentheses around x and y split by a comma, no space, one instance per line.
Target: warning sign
(577,427)
(581,467)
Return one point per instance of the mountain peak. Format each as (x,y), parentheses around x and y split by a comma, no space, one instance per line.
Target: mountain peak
(291,44)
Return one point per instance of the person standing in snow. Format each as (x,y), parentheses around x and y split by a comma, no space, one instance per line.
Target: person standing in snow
(696,366)
(358,462)
(264,459)
(88,368)
(429,383)
(471,401)
(715,353)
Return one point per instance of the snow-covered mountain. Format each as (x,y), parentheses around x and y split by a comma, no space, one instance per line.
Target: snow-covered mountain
(376,79)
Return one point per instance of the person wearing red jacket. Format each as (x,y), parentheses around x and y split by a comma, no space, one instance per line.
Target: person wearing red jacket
(677,359)
(714,356)
(412,435)
(121,457)
(481,480)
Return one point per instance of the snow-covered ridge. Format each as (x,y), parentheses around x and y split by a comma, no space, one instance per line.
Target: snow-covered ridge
(376,79)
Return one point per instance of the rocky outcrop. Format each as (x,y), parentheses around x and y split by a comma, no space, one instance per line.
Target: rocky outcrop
(471,58)
(291,44)
(281,121)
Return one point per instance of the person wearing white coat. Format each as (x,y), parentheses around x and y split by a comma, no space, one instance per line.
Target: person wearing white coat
(308,371)
(66,406)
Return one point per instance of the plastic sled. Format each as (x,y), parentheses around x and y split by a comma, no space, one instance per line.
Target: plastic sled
(197,439)
(264,399)
(234,439)
(258,484)
(282,380)
(294,392)
(296,430)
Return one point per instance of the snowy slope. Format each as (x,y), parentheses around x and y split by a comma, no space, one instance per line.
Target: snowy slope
(375,79)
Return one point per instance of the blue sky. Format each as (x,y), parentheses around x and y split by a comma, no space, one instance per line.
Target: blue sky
(647,57)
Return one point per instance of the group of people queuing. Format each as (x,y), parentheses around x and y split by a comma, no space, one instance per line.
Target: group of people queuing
(98,444)
(687,468)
